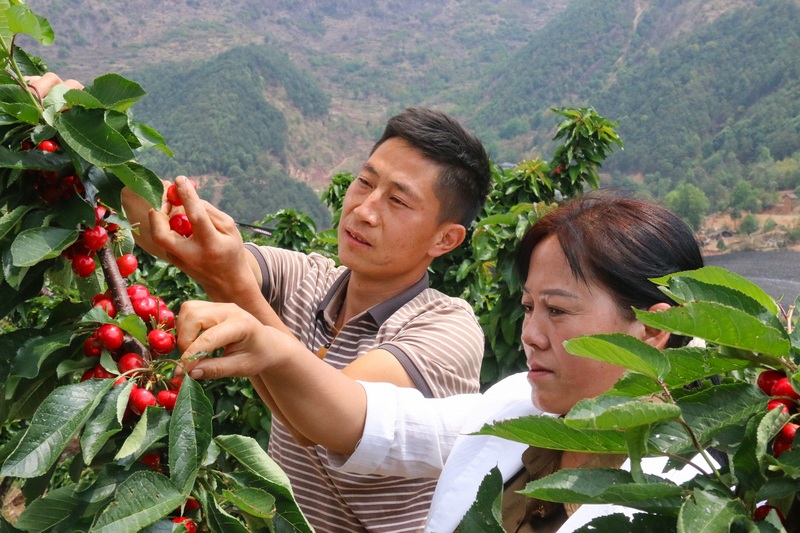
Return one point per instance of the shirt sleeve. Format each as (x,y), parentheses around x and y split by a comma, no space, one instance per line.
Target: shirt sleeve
(406,434)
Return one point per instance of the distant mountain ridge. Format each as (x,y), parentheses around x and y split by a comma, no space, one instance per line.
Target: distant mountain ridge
(704,91)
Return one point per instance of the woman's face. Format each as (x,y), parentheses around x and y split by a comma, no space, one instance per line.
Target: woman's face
(559,307)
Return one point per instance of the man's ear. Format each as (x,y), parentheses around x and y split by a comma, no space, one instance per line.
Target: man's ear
(449,236)
(656,337)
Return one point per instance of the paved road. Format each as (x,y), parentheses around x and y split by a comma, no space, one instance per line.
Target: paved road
(778,273)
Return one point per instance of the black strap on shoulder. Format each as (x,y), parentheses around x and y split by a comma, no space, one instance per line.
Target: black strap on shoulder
(262,265)
(410,367)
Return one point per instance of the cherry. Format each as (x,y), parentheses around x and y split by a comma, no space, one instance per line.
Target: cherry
(172,193)
(94,238)
(175,383)
(102,373)
(135,292)
(110,336)
(140,399)
(167,398)
(780,445)
(108,305)
(27,144)
(165,317)
(783,387)
(767,379)
(180,224)
(100,296)
(131,361)
(788,431)
(145,307)
(161,341)
(74,250)
(190,505)
(92,347)
(89,374)
(48,146)
(187,523)
(83,266)
(781,403)
(100,213)
(153,460)
(127,264)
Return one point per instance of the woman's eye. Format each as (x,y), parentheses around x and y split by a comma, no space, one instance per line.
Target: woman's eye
(554,311)
(527,308)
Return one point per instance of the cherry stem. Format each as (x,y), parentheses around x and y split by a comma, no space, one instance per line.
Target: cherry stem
(119,293)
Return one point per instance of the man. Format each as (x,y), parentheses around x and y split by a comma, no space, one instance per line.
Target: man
(374,317)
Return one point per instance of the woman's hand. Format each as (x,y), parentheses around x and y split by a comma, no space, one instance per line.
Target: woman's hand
(42,85)
(249,347)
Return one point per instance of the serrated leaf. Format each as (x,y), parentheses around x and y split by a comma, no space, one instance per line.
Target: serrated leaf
(621,350)
(618,412)
(189,434)
(86,132)
(484,515)
(140,180)
(618,522)
(53,425)
(33,352)
(35,245)
(104,422)
(115,92)
(255,502)
(10,219)
(140,500)
(552,433)
(57,507)
(709,411)
(707,512)
(17,103)
(719,324)
(218,519)
(135,326)
(719,276)
(150,138)
(21,20)
(252,457)
(152,426)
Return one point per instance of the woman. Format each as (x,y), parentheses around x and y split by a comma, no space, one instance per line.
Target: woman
(584,266)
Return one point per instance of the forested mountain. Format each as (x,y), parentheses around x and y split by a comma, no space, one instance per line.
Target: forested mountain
(250,92)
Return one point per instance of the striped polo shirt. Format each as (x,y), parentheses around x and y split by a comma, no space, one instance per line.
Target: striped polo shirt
(436,338)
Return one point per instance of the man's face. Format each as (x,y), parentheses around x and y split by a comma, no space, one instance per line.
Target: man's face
(389,222)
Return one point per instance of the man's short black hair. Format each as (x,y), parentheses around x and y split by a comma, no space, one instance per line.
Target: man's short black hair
(464,180)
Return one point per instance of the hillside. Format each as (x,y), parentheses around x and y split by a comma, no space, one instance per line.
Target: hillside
(701,92)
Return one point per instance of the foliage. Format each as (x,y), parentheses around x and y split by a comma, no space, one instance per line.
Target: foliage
(666,405)
(749,224)
(132,465)
(689,202)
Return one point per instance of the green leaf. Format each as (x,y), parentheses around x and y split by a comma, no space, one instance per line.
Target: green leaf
(618,412)
(149,138)
(709,411)
(21,20)
(152,426)
(33,352)
(255,460)
(16,102)
(549,432)
(601,485)
(217,518)
(189,434)
(115,92)
(719,324)
(484,515)
(621,350)
(255,502)
(140,180)
(104,422)
(708,512)
(59,506)
(53,425)
(618,522)
(38,244)
(719,276)
(141,499)
(87,132)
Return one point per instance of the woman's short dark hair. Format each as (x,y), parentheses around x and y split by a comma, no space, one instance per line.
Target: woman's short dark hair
(464,181)
(618,242)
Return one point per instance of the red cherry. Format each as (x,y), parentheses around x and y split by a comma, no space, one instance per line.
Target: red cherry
(788,431)
(127,264)
(153,460)
(783,387)
(89,374)
(110,336)
(100,213)
(175,383)
(94,238)
(48,146)
(180,224)
(167,398)
(187,523)
(74,250)
(762,511)
(190,505)
(92,347)
(767,379)
(27,144)
(120,380)
(83,266)
(165,317)
(135,292)
(782,403)
(102,373)
(172,193)
(140,399)
(161,341)
(145,307)
(70,185)
(131,361)
(781,445)
(108,305)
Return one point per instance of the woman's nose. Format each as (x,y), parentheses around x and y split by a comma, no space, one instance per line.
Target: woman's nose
(532,334)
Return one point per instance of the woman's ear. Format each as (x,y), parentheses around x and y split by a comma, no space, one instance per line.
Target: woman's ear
(656,337)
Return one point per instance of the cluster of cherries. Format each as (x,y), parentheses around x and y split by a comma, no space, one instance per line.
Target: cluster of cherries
(51,186)
(81,253)
(783,396)
(179,223)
